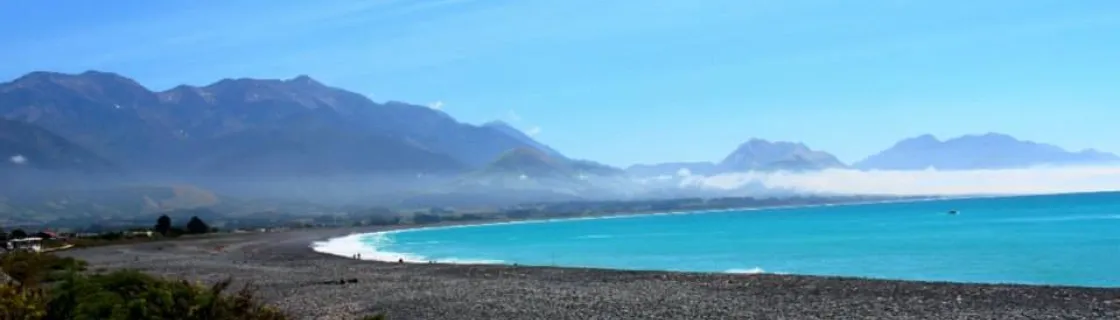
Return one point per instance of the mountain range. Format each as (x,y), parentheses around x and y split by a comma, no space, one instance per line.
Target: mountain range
(269,130)
(247,126)
(104,123)
(969,152)
(973,152)
(21,141)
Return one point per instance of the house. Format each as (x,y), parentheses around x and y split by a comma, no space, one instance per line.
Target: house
(33,244)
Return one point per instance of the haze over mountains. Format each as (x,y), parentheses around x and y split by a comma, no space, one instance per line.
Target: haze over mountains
(299,130)
(970,152)
(247,126)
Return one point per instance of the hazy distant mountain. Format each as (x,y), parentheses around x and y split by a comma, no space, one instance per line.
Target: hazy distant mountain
(516,176)
(527,175)
(23,145)
(758,154)
(110,115)
(580,166)
(295,126)
(503,127)
(987,151)
(309,148)
(753,155)
(672,169)
(529,162)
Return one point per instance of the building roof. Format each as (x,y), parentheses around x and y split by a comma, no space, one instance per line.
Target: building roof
(28,239)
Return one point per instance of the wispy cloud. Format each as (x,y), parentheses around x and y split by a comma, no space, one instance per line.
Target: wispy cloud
(533,131)
(512,116)
(18,159)
(927,182)
(516,120)
(438,105)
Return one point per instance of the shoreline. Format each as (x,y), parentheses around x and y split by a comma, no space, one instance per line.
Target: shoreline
(350,245)
(305,283)
(508,221)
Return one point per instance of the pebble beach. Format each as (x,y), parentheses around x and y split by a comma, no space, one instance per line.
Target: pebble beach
(313,285)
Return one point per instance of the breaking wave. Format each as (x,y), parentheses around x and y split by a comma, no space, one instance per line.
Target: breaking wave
(369,247)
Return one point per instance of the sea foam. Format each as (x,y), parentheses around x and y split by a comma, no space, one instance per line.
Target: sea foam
(755,270)
(369,245)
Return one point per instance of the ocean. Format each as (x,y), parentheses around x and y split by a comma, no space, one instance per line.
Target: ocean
(1053,240)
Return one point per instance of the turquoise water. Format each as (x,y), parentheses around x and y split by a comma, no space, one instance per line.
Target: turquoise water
(1061,240)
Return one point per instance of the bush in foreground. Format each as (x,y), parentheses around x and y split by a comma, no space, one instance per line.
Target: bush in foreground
(30,269)
(130,295)
(18,303)
(119,295)
(134,295)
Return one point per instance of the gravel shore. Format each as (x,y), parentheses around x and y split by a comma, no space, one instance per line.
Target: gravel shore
(292,276)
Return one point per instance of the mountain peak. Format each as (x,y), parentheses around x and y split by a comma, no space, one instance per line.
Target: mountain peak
(497,124)
(510,131)
(536,163)
(925,137)
(304,80)
(252,125)
(990,136)
(239,82)
(977,151)
(99,74)
(763,143)
(87,76)
(524,160)
(922,141)
(756,142)
(759,154)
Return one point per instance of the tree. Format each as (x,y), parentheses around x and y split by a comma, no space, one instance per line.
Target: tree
(163,225)
(383,220)
(17,234)
(196,226)
(423,218)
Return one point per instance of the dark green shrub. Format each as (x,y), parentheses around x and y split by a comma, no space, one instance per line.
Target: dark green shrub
(17,303)
(17,234)
(163,225)
(134,295)
(118,295)
(32,268)
(197,226)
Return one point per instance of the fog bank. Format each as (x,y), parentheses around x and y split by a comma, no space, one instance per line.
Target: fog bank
(1038,180)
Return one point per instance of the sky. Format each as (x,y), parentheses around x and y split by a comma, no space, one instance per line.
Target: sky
(625,82)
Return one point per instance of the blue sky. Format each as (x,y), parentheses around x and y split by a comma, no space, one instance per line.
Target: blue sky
(626,82)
